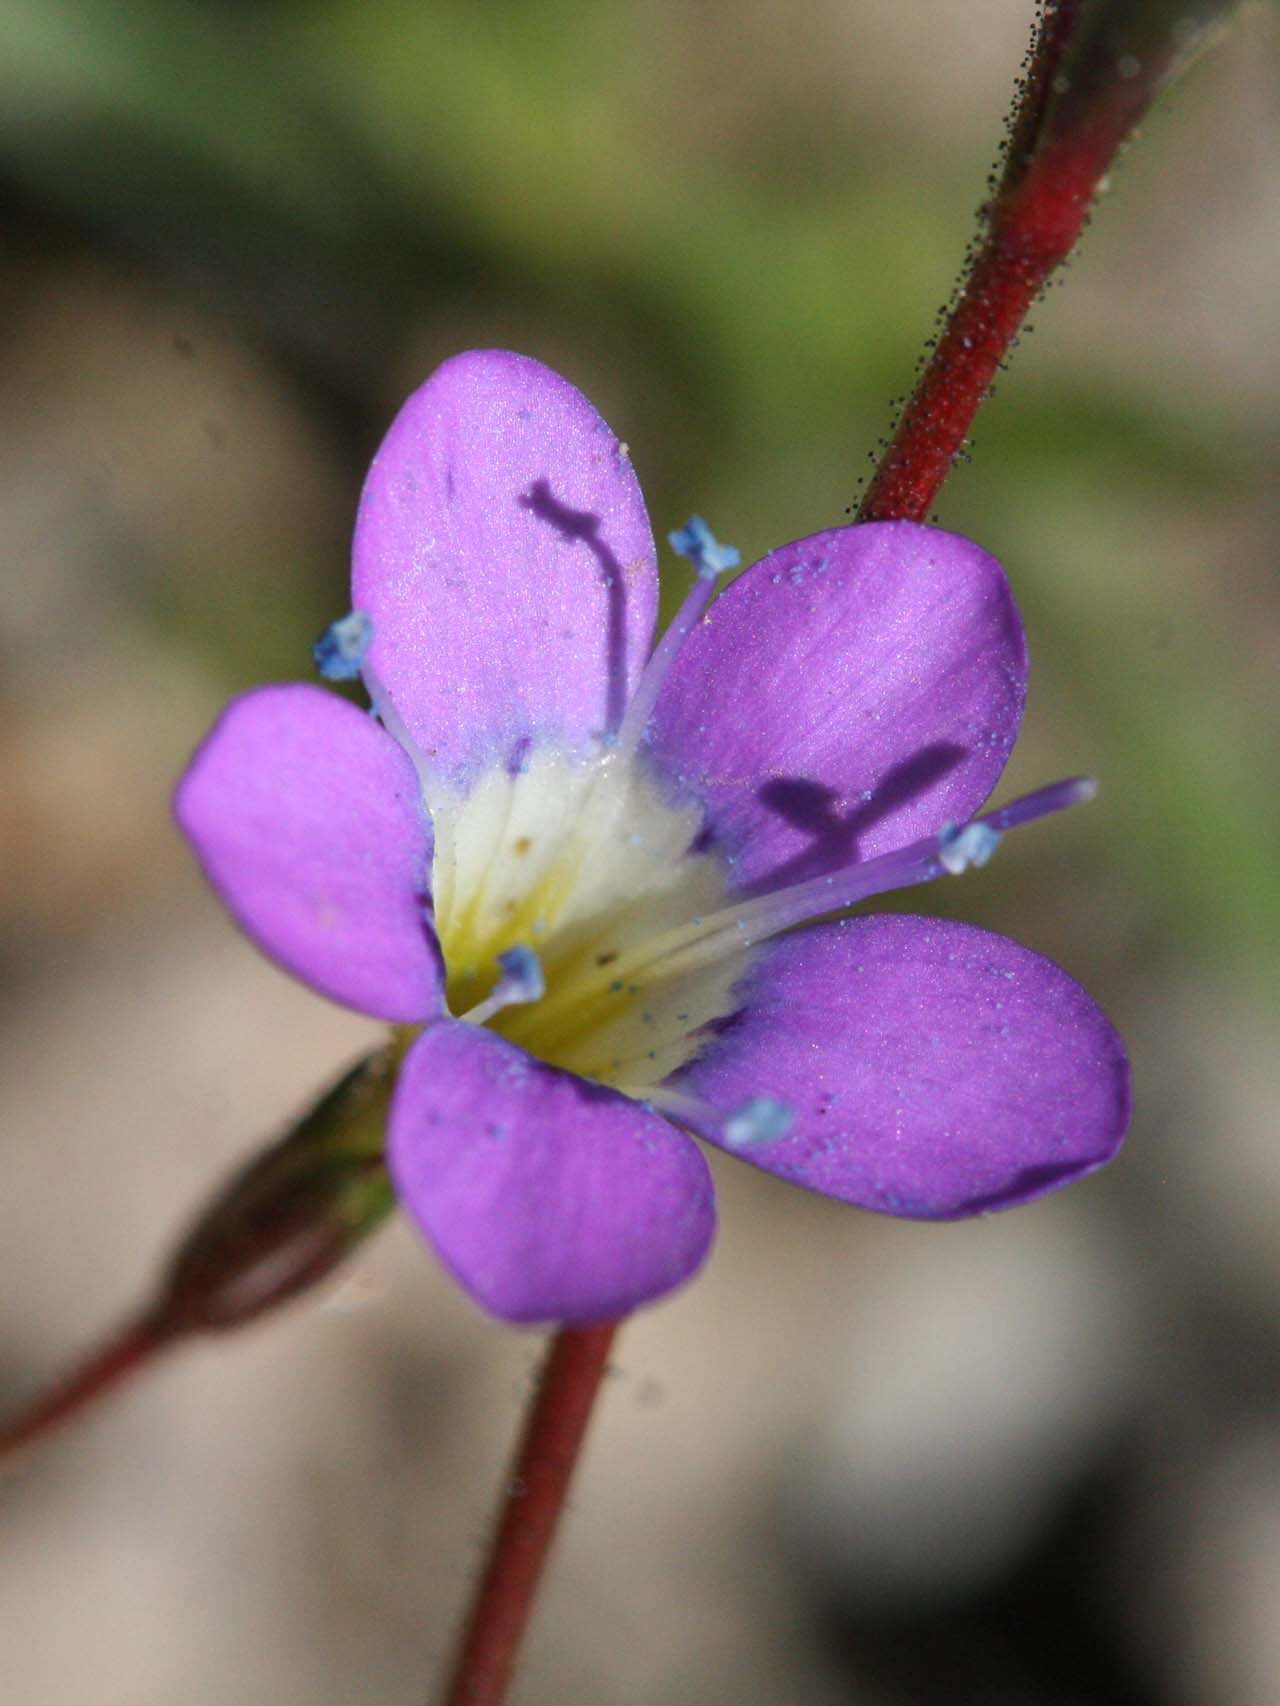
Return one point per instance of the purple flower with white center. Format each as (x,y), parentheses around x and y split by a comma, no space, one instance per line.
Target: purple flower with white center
(579,867)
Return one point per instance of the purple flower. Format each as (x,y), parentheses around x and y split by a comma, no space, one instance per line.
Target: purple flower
(589,854)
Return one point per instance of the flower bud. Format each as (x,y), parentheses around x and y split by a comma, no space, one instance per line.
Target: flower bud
(283,1224)
(288,1219)
(1118,56)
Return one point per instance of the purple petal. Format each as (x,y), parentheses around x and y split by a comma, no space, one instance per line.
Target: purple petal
(848,694)
(550,1199)
(934,1070)
(307,819)
(504,554)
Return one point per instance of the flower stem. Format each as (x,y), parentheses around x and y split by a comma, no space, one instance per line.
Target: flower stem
(283,1224)
(1030,227)
(531,1505)
(127,1353)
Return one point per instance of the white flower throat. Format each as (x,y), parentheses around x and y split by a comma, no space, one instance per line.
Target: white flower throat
(590,866)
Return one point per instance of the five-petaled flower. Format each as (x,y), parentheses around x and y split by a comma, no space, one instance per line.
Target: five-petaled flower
(579,868)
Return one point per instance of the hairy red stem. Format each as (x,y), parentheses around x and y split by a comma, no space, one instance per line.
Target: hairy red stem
(1032,226)
(530,1510)
(126,1354)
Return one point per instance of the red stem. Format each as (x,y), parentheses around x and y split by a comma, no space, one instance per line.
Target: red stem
(531,1508)
(1032,226)
(122,1356)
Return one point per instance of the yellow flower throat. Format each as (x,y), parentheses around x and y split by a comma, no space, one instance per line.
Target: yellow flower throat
(589,865)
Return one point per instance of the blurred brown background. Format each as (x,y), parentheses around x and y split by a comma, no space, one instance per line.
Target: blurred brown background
(1034,1459)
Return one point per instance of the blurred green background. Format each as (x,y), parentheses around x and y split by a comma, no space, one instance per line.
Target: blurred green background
(1034,1459)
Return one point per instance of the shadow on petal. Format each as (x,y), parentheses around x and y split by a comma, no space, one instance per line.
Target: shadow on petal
(582,526)
(811,806)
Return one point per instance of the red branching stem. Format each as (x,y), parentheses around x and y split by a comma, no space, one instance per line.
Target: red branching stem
(1027,242)
(1032,226)
(531,1507)
(125,1354)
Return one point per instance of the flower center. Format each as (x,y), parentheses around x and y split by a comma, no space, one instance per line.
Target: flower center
(587,864)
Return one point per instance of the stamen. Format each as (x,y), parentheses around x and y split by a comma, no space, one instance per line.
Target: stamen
(521,982)
(961,846)
(383,708)
(948,853)
(696,542)
(760,1119)
(1075,791)
(521,975)
(340,651)
(341,654)
(711,939)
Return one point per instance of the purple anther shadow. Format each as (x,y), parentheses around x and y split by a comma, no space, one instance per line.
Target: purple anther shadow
(810,806)
(580,526)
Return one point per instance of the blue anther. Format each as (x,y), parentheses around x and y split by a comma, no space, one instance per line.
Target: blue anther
(522,978)
(340,651)
(960,846)
(761,1119)
(698,543)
